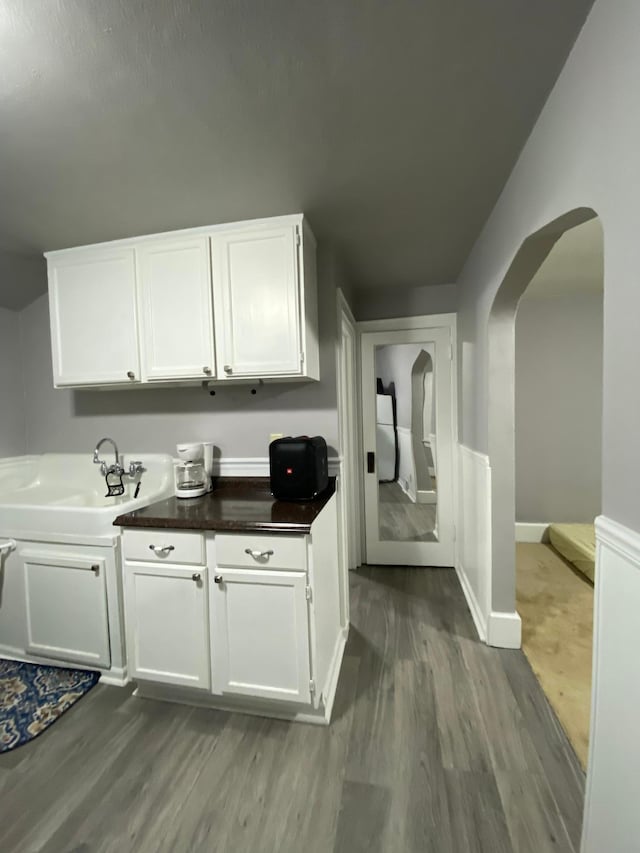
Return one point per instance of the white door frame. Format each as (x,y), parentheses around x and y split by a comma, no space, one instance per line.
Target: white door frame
(349,486)
(423,323)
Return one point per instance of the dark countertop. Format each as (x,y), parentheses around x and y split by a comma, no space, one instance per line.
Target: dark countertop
(242,504)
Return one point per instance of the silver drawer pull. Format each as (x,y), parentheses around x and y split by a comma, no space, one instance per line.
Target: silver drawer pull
(95,568)
(258,555)
(165,549)
(218,578)
(196,576)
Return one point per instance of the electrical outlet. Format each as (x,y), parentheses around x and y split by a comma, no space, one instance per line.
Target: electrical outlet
(275,435)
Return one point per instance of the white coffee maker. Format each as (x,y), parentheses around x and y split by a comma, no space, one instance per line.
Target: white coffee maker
(193,471)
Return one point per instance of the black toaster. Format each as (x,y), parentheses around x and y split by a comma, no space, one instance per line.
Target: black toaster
(298,467)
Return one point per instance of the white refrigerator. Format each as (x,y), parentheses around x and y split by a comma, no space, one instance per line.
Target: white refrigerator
(385,438)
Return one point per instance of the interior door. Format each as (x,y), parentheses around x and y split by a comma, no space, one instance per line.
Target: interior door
(408,448)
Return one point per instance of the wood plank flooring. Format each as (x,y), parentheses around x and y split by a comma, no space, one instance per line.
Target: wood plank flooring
(438,743)
(400,519)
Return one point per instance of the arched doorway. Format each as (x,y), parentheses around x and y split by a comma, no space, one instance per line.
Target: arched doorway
(501,403)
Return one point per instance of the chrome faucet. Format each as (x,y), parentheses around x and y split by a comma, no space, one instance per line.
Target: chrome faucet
(105,469)
(117,469)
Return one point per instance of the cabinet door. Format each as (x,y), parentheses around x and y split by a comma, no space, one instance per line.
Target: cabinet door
(256,287)
(175,293)
(260,634)
(166,618)
(94,327)
(66,608)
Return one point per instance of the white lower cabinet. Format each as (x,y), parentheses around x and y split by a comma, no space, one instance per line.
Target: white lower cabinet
(66,607)
(167,624)
(260,634)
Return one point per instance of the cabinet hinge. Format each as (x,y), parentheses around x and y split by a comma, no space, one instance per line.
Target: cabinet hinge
(307,592)
(450,352)
(298,240)
(301,358)
(312,686)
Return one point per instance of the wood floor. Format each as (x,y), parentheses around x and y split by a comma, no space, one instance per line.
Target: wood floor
(438,743)
(400,519)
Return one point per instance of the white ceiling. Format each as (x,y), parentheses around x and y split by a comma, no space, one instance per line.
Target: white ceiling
(392,125)
(575,264)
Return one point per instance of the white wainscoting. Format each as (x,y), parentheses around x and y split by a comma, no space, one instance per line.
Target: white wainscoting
(473,563)
(406,465)
(612,813)
(473,560)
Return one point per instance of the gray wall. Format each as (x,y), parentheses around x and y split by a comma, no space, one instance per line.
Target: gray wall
(559,407)
(582,153)
(384,303)
(12,409)
(154,420)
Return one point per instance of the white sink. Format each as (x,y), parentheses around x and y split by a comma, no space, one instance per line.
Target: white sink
(64,493)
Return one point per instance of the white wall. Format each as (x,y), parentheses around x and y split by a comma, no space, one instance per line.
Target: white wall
(583,152)
(558,406)
(12,408)
(154,420)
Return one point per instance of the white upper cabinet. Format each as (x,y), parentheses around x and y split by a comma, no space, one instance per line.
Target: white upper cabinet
(177,316)
(257,292)
(219,302)
(94,328)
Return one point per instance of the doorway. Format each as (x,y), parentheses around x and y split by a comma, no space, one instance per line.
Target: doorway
(407,429)
(547,325)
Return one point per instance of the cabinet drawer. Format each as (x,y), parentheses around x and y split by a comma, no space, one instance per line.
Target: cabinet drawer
(168,546)
(273,552)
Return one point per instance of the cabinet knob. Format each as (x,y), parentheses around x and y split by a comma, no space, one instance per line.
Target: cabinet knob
(95,568)
(217,579)
(196,576)
(207,370)
(228,368)
(131,374)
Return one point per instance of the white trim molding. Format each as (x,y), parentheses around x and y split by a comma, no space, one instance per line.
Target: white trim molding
(504,630)
(611,816)
(473,552)
(532,531)
(257,466)
(619,538)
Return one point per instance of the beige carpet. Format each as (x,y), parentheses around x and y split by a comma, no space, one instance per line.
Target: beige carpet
(556,606)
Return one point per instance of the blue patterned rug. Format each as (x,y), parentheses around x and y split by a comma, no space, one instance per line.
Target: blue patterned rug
(32,697)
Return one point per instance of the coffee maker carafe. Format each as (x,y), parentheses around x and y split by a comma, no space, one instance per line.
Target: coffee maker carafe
(193,471)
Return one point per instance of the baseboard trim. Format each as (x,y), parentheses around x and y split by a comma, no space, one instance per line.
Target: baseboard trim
(117,676)
(535,531)
(504,630)
(472,602)
(329,691)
